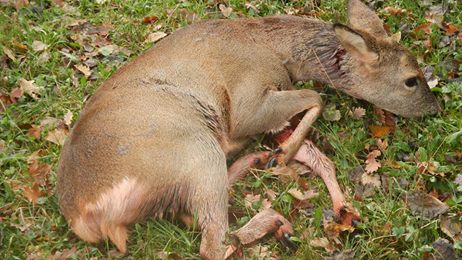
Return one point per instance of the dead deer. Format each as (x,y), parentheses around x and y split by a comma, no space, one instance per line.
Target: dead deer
(154,138)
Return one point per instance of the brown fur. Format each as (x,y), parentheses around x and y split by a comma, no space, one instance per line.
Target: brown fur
(154,138)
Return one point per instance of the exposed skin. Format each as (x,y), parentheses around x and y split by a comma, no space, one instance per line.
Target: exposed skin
(154,138)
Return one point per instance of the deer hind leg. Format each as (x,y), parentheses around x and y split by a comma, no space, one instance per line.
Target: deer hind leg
(210,204)
(322,166)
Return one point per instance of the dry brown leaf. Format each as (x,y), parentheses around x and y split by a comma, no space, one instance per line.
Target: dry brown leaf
(155,36)
(451,29)
(393,164)
(323,243)
(444,250)
(84,69)
(372,165)
(68,118)
(333,229)
(382,145)
(34,131)
(358,112)
(394,10)
(452,227)
(44,57)
(16,93)
(271,194)
(57,136)
(39,46)
(265,204)
(65,253)
(21,3)
(260,252)
(32,193)
(285,173)
(342,255)
(299,195)
(150,19)
(38,171)
(425,205)
(35,155)
(372,179)
(226,11)
(9,53)
(379,131)
(250,199)
(425,28)
(29,88)
(49,122)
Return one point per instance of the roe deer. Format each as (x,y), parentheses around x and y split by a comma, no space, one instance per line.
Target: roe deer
(154,138)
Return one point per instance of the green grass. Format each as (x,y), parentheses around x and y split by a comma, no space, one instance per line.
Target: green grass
(388,229)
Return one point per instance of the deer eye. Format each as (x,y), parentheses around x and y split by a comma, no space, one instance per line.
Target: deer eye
(412,82)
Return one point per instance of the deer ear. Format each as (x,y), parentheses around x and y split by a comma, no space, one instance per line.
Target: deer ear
(355,44)
(364,19)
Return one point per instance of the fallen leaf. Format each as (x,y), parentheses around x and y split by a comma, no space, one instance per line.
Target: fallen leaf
(39,46)
(260,252)
(265,204)
(68,118)
(323,243)
(444,250)
(394,10)
(44,57)
(16,93)
(372,179)
(299,195)
(49,122)
(451,29)
(343,255)
(271,194)
(422,204)
(84,69)
(435,14)
(333,229)
(34,131)
(372,165)
(57,136)
(423,28)
(35,155)
(29,88)
(65,254)
(107,49)
(155,36)
(380,131)
(39,172)
(433,82)
(150,19)
(9,53)
(382,145)
(358,112)
(32,193)
(21,3)
(393,164)
(250,199)
(458,181)
(226,11)
(452,227)
(285,173)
